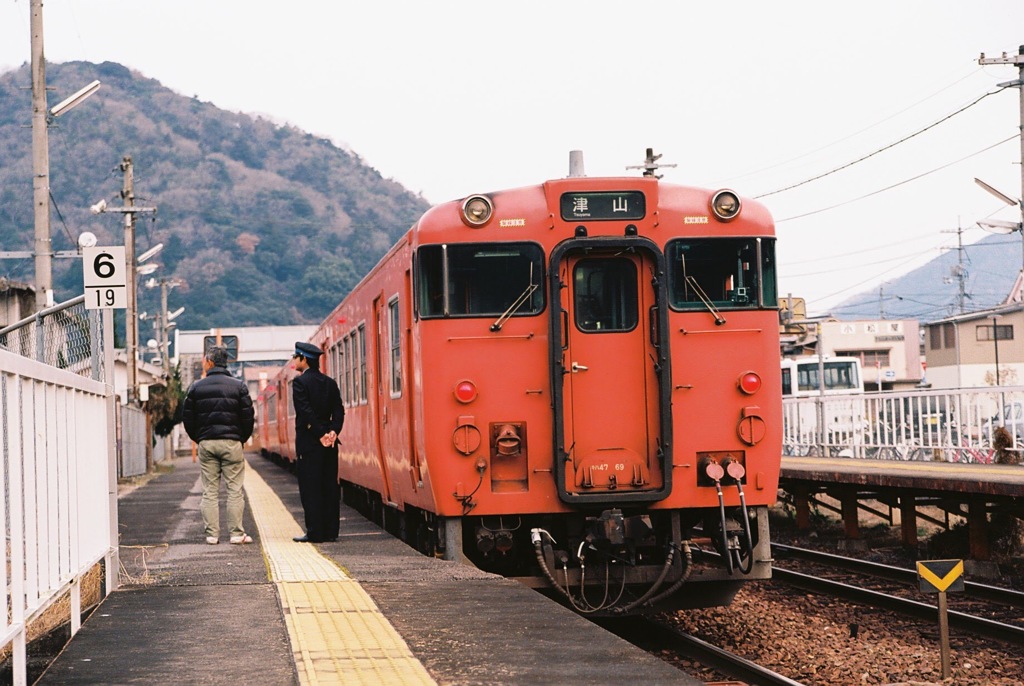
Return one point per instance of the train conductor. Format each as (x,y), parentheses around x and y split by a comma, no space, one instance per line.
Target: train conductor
(319,416)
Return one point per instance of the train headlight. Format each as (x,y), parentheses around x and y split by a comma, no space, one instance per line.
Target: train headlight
(749,383)
(465,392)
(726,205)
(477,210)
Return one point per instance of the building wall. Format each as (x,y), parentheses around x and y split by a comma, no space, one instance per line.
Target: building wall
(893,343)
(957,358)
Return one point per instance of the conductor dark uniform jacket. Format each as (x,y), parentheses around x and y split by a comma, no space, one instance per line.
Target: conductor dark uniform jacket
(318,410)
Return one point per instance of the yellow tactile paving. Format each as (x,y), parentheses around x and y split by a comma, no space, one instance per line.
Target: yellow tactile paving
(337,632)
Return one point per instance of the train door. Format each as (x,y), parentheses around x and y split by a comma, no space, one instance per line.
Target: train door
(612,413)
(380,410)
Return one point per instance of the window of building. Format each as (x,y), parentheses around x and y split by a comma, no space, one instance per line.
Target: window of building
(948,335)
(935,336)
(995,332)
(868,358)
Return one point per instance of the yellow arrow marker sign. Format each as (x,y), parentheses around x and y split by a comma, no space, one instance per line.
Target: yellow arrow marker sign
(940,576)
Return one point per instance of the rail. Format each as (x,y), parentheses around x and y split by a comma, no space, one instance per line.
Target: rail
(956,425)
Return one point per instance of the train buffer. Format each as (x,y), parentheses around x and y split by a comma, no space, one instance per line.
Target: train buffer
(366,609)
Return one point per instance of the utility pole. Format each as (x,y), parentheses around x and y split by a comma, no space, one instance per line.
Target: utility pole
(1018,60)
(43,247)
(131,317)
(959,272)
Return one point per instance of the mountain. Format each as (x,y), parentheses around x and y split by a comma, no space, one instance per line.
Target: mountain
(262,224)
(990,267)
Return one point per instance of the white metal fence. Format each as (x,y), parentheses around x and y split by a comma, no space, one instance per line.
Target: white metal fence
(60,491)
(950,425)
(58,468)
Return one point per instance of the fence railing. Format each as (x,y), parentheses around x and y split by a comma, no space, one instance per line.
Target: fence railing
(134,436)
(949,425)
(66,336)
(60,492)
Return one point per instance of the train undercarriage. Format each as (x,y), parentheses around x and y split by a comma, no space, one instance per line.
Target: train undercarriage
(608,562)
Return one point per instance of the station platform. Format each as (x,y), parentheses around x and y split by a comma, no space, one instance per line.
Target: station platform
(366,609)
(971,491)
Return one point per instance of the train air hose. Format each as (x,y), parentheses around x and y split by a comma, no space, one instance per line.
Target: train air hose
(656,585)
(683,578)
(535,537)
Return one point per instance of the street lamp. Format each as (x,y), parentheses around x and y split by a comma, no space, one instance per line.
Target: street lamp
(41,118)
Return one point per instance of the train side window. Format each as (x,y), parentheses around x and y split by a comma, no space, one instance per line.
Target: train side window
(479,279)
(605,295)
(395,339)
(731,273)
(347,388)
(362,363)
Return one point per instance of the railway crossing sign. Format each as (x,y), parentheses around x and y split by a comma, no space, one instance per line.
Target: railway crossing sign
(104,272)
(941,576)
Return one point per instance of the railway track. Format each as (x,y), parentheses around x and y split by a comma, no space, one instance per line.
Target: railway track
(990,608)
(661,638)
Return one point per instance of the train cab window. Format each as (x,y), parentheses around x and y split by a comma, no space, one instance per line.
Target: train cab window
(728,273)
(605,295)
(480,280)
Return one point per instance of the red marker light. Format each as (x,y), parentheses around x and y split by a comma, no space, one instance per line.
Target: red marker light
(750,383)
(465,391)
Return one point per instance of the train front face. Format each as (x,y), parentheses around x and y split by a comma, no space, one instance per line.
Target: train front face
(620,412)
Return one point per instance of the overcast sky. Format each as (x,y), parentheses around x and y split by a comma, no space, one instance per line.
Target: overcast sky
(452,98)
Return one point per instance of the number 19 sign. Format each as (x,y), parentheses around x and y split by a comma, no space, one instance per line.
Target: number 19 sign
(105,279)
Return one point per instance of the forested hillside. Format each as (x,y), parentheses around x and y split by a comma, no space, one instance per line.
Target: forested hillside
(261,223)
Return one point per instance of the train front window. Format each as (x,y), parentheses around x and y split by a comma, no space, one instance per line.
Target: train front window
(731,273)
(479,279)
(604,295)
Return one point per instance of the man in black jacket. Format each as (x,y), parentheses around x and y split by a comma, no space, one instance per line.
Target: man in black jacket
(218,415)
(319,416)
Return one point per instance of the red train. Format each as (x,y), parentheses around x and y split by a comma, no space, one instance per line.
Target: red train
(574,384)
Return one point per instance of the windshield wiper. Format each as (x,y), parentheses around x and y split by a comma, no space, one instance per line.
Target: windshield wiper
(719,319)
(514,307)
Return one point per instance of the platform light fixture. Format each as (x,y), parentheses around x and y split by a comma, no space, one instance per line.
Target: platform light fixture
(74,100)
(999,225)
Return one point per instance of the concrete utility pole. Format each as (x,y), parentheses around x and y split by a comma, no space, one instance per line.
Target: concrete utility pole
(131,317)
(43,247)
(1017,59)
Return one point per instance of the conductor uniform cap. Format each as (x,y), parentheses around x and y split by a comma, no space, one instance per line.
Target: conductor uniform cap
(308,350)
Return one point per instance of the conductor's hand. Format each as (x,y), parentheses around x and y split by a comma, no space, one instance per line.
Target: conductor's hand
(328,439)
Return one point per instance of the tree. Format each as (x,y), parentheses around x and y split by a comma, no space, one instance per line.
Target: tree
(164,405)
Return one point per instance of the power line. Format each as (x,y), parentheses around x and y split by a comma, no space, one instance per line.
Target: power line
(880,150)
(895,185)
(856,133)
